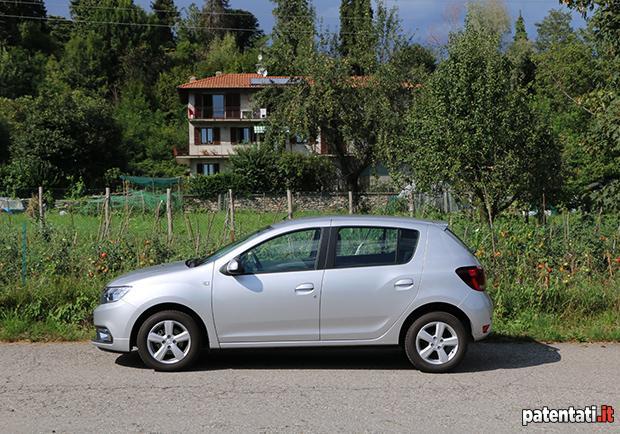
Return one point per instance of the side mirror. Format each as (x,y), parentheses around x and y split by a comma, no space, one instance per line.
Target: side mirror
(234,267)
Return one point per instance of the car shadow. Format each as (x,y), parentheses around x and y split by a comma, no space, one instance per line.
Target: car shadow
(484,356)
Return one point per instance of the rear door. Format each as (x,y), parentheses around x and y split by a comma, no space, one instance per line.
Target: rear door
(372,275)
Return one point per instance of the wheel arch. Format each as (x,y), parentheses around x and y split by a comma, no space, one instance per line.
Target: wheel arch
(434,307)
(167,306)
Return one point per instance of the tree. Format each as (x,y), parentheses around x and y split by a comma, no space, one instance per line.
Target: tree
(353,116)
(165,13)
(415,58)
(59,136)
(605,21)
(357,37)
(292,38)
(215,19)
(251,33)
(20,71)
(520,31)
(472,127)
(554,29)
(521,52)
(13,29)
(602,141)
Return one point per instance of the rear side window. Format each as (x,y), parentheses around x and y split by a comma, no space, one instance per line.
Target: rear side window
(374,246)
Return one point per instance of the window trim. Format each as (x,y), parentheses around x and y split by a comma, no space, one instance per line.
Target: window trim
(330,263)
(319,262)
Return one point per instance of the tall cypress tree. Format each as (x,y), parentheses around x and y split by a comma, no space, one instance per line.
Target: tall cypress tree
(292,37)
(520,31)
(165,13)
(357,38)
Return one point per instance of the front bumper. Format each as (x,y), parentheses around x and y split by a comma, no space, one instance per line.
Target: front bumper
(479,309)
(117,319)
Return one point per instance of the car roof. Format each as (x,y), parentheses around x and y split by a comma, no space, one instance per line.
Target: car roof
(359,220)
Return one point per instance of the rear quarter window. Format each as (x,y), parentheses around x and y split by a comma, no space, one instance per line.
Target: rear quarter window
(374,246)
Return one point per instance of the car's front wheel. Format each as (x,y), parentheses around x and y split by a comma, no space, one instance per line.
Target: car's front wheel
(436,342)
(169,341)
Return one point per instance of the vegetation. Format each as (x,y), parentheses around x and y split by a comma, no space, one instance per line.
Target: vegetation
(558,281)
(508,121)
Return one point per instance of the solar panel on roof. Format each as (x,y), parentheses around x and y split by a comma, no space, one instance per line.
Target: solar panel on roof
(266,80)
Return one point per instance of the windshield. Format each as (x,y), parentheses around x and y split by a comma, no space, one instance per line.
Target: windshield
(224,250)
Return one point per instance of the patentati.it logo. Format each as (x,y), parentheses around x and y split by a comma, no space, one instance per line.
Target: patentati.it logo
(590,414)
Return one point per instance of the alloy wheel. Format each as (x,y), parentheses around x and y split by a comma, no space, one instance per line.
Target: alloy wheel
(437,343)
(168,342)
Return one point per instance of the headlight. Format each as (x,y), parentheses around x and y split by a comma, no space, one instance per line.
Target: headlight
(114,293)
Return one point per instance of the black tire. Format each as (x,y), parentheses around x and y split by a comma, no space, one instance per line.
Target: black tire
(410,342)
(195,342)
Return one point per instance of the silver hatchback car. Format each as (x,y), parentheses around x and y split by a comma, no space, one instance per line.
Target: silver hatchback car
(326,281)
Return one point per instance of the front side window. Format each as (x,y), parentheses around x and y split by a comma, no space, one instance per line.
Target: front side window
(374,246)
(293,251)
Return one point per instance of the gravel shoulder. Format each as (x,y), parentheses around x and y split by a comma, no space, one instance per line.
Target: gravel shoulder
(73,387)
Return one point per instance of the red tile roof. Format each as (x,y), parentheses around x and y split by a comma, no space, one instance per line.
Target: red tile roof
(227,81)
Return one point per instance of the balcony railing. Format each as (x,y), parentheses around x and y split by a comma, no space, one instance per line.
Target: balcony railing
(230,113)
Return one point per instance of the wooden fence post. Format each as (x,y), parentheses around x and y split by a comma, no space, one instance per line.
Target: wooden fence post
(231,202)
(169,212)
(41,210)
(411,203)
(350,202)
(106,213)
(289,202)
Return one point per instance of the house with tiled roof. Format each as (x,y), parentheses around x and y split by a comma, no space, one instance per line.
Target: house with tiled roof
(222,117)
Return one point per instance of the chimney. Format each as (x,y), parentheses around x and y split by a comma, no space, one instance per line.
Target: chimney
(218,73)
(192,79)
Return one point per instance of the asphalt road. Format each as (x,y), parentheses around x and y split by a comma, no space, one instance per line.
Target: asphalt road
(76,388)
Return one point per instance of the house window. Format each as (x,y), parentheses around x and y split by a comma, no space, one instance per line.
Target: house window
(207,168)
(214,106)
(208,136)
(242,135)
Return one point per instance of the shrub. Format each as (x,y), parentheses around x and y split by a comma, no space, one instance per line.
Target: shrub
(207,187)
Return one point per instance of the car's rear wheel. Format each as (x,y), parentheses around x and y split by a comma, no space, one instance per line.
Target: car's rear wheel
(169,341)
(436,342)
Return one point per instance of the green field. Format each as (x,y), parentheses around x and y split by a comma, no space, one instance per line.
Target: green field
(553,282)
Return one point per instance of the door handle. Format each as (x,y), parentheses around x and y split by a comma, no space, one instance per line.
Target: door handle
(304,288)
(403,283)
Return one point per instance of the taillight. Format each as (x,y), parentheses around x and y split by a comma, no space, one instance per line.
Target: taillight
(473,276)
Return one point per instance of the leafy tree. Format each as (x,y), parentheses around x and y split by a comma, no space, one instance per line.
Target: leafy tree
(353,116)
(555,28)
(20,71)
(59,136)
(357,36)
(415,58)
(605,21)
(21,31)
(602,140)
(85,63)
(472,127)
(242,19)
(292,38)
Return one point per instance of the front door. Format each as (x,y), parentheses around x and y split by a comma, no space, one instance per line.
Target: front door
(372,275)
(276,298)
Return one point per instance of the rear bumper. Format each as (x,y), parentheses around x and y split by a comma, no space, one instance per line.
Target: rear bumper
(479,309)
(117,319)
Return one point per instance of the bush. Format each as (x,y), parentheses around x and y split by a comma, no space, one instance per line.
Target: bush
(265,170)
(208,187)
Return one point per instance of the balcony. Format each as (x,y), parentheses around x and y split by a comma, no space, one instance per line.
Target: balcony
(228,114)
